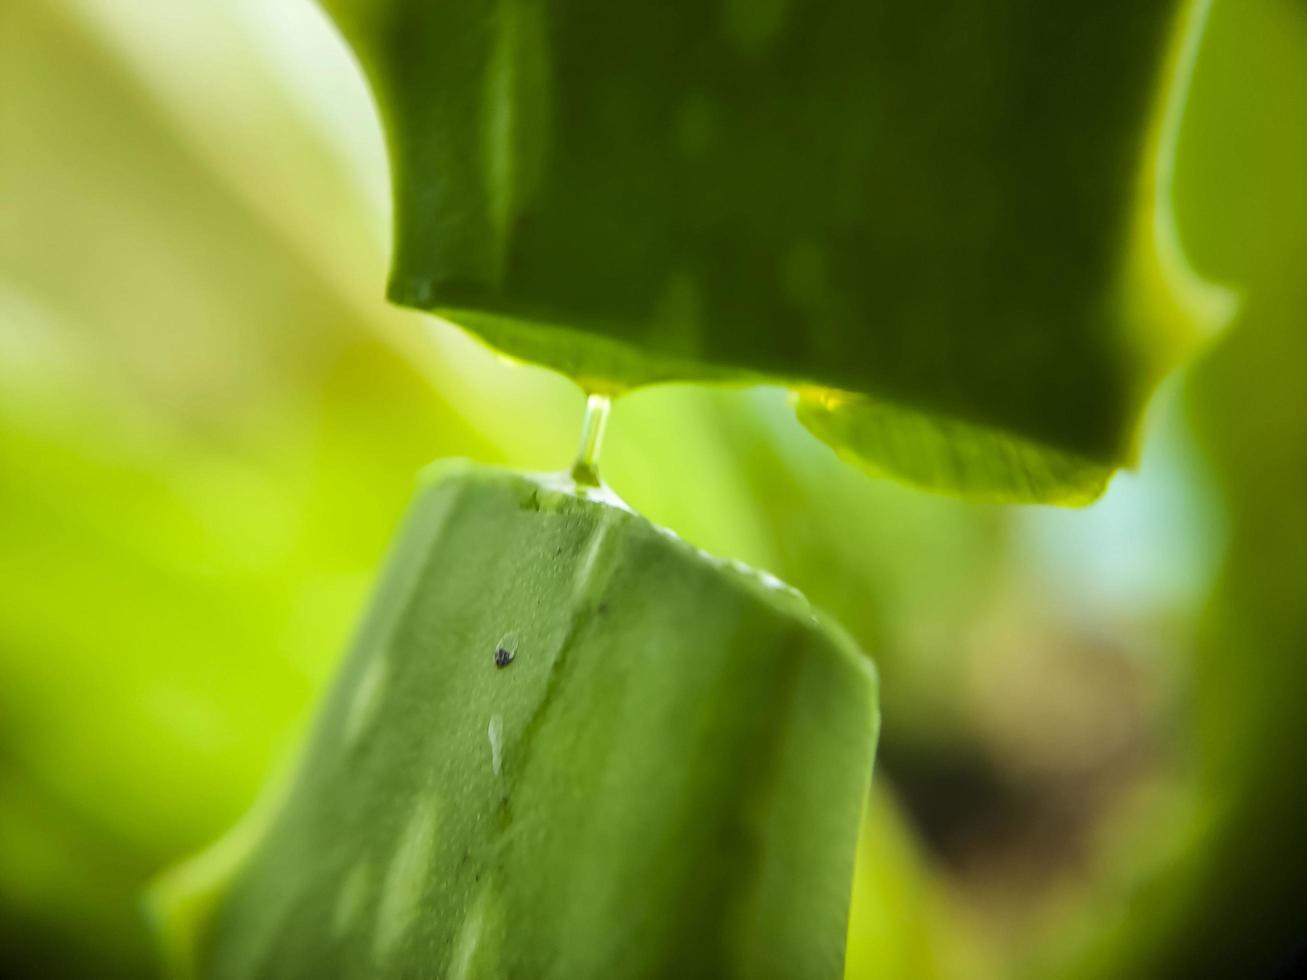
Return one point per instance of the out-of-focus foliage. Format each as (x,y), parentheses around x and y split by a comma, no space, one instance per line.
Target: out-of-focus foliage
(1226,896)
(209,427)
(949,227)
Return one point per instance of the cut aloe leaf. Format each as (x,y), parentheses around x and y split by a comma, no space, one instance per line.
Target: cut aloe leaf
(954,211)
(566,745)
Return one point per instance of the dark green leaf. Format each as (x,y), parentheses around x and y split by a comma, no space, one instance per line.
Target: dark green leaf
(959,211)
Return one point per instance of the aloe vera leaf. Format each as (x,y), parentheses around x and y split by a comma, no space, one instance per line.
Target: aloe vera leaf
(566,744)
(958,213)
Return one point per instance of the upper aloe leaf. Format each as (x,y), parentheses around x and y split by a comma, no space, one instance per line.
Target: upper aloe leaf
(953,216)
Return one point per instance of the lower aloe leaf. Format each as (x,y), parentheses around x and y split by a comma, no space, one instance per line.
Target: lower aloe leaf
(565,745)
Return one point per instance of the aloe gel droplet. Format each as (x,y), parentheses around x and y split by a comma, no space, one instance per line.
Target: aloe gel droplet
(585,471)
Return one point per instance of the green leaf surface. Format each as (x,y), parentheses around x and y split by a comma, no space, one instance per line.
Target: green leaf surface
(566,745)
(952,211)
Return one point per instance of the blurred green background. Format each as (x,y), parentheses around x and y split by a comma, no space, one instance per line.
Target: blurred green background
(210,424)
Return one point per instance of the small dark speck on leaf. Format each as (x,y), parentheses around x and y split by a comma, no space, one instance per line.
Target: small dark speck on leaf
(503,657)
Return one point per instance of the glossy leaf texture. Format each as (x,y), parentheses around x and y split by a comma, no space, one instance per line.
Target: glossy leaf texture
(947,226)
(566,744)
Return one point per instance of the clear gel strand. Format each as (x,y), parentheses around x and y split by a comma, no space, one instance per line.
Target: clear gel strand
(585,471)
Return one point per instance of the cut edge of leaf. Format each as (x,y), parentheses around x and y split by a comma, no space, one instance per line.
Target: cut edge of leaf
(946,455)
(599,364)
